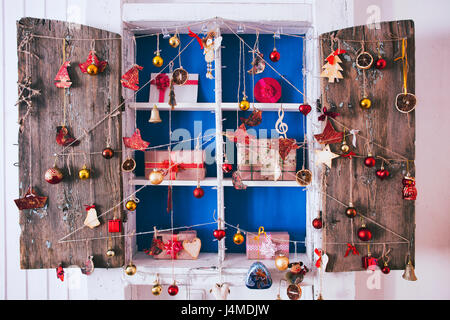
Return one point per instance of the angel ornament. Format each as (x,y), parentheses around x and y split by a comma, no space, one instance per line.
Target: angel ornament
(210,45)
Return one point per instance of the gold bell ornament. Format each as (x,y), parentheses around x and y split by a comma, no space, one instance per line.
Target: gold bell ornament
(156,176)
(130,269)
(345,148)
(174,41)
(84,173)
(110,253)
(157,60)
(131,204)
(154,117)
(238,238)
(157,288)
(409,272)
(281,262)
(365,103)
(244,105)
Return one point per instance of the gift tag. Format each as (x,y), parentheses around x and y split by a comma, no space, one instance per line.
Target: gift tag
(258,277)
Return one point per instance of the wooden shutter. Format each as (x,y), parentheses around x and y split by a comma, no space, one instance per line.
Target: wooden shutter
(91,99)
(387,127)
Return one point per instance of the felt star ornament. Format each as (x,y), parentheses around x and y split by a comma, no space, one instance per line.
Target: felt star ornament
(325,156)
(329,135)
(135,141)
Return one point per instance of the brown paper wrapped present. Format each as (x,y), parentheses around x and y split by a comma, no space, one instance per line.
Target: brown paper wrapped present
(181,246)
(260,160)
(184,164)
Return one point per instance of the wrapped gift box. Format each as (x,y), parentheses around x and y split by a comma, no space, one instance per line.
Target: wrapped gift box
(265,245)
(185,93)
(185,164)
(260,160)
(177,241)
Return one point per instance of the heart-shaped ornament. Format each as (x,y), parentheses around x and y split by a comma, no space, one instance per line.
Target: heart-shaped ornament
(219,234)
(305,109)
(192,247)
(220,291)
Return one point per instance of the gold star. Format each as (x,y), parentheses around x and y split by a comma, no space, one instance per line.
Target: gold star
(325,156)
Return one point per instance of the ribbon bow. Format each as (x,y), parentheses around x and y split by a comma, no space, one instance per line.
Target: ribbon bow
(330,58)
(352,249)
(353,132)
(172,248)
(161,81)
(193,35)
(319,254)
(326,114)
(89,207)
(349,155)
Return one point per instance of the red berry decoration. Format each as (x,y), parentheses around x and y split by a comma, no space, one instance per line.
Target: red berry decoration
(219,234)
(173,290)
(199,192)
(305,109)
(317,223)
(380,64)
(227,167)
(385,269)
(108,153)
(382,173)
(364,233)
(369,161)
(274,55)
(53,175)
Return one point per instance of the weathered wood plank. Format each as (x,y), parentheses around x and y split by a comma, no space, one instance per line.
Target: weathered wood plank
(384,125)
(89,101)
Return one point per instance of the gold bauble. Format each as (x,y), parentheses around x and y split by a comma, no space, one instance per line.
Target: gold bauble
(345,147)
(244,105)
(156,177)
(92,69)
(158,61)
(156,289)
(365,103)
(110,253)
(281,262)
(174,41)
(238,238)
(84,173)
(131,205)
(130,269)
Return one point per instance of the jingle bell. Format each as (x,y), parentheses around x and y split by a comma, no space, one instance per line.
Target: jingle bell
(174,41)
(365,103)
(84,173)
(92,70)
(110,253)
(156,289)
(238,238)
(158,61)
(130,269)
(244,105)
(131,205)
(154,117)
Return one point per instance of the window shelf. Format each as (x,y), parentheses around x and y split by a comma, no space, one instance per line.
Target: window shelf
(212,182)
(206,106)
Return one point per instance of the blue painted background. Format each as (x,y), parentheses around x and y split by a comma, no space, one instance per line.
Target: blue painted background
(275,208)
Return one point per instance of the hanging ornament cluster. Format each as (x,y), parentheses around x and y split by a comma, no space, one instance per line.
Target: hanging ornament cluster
(93,65)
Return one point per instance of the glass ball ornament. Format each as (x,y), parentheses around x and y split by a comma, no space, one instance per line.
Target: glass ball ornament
(369,161)
(238,238)
(365,103)
(350,212)
(274,55)
(108,153)
(345,148)
(173,290)
(156,177)
(92,70)
(382,173)
(227,167)
(317,223)
(199,192)
(385,269)
(244,105)
(281,262)
(174,41)
(131,205)
(84,173)
(364,234)
(110,253)
(53,175)
(158,61)
(380,64)
(130,269)
(156,289)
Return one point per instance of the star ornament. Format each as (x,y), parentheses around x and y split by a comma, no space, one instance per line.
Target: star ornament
(329,135)
(135,141)
(325,156)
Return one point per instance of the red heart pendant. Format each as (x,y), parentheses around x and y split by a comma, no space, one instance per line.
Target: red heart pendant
(305,109)
(382,174)
(227,167)
(219,234)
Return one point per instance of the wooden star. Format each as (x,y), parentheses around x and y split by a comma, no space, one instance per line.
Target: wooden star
(325,156)
(329,135)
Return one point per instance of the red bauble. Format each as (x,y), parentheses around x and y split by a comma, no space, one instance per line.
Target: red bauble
(380,64)
(317,223)
(305,109)
(364,233)
(274,55)
(53,175)
(108,153)
(226,167)
(386,270)
(350,212)
(369,161)
(173,290)
(382,174)
(219,234)
(199,192)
